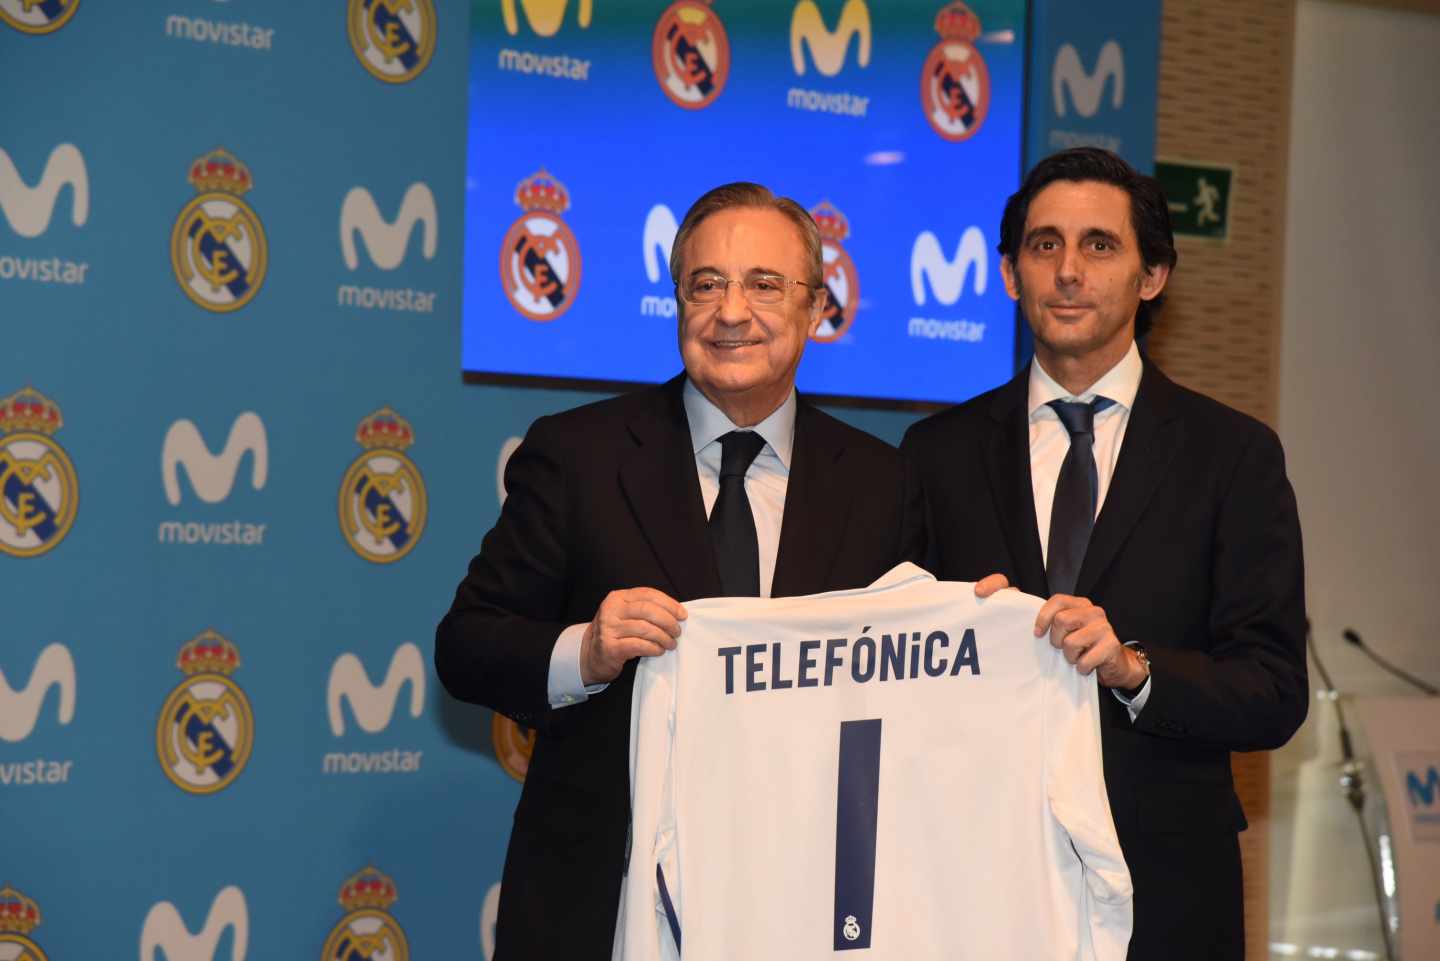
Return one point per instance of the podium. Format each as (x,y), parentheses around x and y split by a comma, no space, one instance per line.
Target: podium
(1404,739)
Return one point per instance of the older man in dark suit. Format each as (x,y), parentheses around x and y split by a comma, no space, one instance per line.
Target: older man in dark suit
(1159,523)
(720,482)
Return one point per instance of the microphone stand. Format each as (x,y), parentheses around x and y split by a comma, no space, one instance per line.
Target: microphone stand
(1353,784)
(1353,638)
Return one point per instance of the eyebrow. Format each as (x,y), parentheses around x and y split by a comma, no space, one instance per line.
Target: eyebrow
(752,272)
(1091,232)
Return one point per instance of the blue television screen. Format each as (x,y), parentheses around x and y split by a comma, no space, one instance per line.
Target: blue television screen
(594,125)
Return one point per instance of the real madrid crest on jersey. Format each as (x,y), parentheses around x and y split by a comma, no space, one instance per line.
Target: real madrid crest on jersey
(539,257)
(218,246)
(206,728)
(39,492)
(37,16)
(367,932)
(513,746)
(691,54)
(842,283)
(394,39)
(18,917)
(955,83)
(382,498)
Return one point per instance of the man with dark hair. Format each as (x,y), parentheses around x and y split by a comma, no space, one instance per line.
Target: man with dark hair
(721,482)
(1160,525)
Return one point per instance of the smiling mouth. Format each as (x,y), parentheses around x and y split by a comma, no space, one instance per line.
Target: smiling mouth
(733,344)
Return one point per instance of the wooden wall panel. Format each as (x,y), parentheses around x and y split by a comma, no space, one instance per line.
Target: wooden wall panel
(1225,98)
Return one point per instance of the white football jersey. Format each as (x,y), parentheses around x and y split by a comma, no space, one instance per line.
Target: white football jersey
(900,770)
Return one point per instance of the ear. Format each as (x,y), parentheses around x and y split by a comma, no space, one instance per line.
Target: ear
(819,297)
(1012,280)
(1152,281)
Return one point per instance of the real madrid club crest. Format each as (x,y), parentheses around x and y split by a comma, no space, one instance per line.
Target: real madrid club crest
(691,54)
(206,728)
(842,283)
(19,916)
(513,746)
(539,257)
(382,498)
(394,39)
(955,83)
(218,246)
(36,17)
(39,492)
(367,932)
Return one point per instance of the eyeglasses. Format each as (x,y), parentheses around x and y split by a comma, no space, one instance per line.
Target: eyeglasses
(763,289)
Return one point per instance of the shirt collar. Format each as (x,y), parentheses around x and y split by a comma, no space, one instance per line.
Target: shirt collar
(1120,383)
(708,423)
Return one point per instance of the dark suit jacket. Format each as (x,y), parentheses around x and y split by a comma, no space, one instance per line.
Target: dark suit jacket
(601,498)
(1196,555)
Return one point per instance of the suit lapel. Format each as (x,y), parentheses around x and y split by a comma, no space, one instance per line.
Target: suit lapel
(1007,465)
(663,492)
(1151,440)
(817,508)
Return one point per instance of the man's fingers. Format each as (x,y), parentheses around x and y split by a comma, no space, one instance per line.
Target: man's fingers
(660,599)
(657,614)
(1049,609)
(990,584)
(634,628)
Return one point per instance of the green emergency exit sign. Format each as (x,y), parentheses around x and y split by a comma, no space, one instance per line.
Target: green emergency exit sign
(1199,198)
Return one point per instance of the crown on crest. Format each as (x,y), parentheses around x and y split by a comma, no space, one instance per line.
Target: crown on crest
(208,653)
(385,428)
(18,914)
(219,170)
(29,410)
(368,889)
(832,223)
(541,191)
(956,22)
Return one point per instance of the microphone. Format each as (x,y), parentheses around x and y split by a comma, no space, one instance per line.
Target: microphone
(1353,638)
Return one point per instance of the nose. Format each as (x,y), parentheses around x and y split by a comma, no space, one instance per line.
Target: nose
(1069,270)
(734,308)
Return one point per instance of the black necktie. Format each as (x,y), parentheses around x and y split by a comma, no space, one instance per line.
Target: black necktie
(1072,514)
(732,526)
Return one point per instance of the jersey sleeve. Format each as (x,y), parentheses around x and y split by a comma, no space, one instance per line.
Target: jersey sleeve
(643,925)
(1075,786)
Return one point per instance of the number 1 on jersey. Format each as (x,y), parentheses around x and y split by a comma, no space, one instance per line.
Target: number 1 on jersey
(857,800)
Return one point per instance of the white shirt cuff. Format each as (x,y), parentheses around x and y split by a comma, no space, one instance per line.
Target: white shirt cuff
(564,686)
(1134,704)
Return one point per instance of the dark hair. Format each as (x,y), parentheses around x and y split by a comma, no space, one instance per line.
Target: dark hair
(743,194)
(1149,212)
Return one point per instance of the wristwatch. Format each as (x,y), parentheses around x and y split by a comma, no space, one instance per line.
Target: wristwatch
(1133,692)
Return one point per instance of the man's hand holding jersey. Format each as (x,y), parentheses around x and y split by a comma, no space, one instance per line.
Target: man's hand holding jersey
(639,622)
(1081,630)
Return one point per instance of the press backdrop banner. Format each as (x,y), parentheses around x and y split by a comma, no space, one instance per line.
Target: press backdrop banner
(240,472)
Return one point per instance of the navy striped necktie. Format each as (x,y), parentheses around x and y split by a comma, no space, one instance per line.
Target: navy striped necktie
(1072,513)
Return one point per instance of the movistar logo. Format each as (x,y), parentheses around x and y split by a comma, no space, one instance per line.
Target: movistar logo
(28,209)
(213,476)
(827,48)
(165,930)
(1423,792)
(544,16)
(20,709)
(372,705)
(659,237)
(946,277)
(1087,88)
(386,241)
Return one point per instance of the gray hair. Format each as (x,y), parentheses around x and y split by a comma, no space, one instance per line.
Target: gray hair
(743,194)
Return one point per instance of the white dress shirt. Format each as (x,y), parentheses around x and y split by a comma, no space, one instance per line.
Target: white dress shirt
(1050,442)
(765,484)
